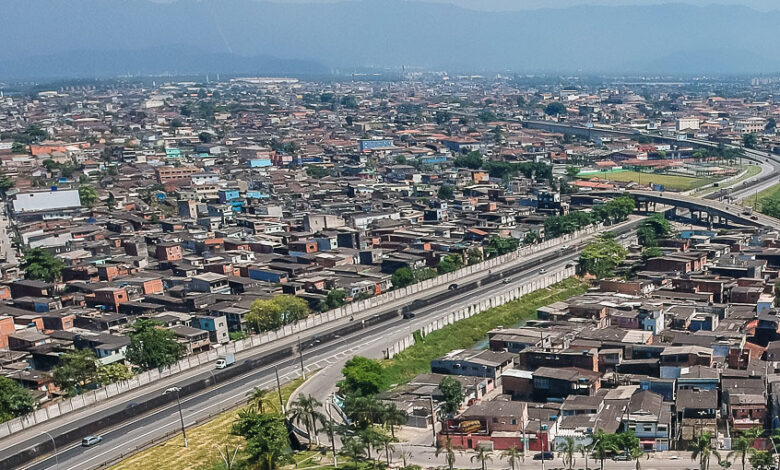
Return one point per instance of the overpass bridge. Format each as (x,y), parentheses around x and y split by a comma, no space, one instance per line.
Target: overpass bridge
(707,211)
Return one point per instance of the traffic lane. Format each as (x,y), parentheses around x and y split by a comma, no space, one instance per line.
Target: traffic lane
(63,424)
(123,439)
(331,346)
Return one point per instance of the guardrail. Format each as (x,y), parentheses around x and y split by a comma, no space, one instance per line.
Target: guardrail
(349,310)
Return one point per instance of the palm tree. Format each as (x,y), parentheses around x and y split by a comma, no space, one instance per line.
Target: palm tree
(449,453)
(482,456)
(394,417)
(257,397)
(604,445)
(741,448)
(512,456)
(702,449)
(304,411)
(353,448)
(569,448)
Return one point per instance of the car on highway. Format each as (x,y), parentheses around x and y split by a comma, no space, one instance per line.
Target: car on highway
(408,315)
(506,281)
(90,441)
(542,271)
(452,287)
(544,456)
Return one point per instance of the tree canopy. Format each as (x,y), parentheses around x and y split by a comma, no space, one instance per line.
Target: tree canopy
(472,160)
(452,392)
(15,400)
(602,256)
(450,263)
(266,315)
(267,441)
(88,195)
(40,265)
(151,346)
(555,108)
(362,377)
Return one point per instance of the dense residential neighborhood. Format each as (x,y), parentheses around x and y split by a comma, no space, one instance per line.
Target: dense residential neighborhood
(151,227)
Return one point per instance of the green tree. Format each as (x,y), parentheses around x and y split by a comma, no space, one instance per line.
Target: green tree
(703,450)
(364,410)
(771,124)
(568,448)
(512,457)
(761,460)
(362,377)
(349,101)
(750,141)
(448,450)
(446,192)
(18,147)
(257,397)
(75,371)
(40,265)
(392,417)
(335,299)
(6,183)
(602,256)
(267,442)
(205,137)
(482,456)
(603,446)
(88,195)
(474,255)
(555,108)
(572,171)
(651,252)
(442,117)
(453,394)
(354,448)
(450,263)
(112,373)
(424,274)
(152,346)
(472,160)
(317,171)
(402,277)
(741,448)
(304,411)
(15,400)
(498,246)
(652,228)
(266,315)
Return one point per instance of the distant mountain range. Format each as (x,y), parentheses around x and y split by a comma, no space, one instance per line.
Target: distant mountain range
(84,38)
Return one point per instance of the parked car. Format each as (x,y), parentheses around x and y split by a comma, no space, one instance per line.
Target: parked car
(90,441)
(621,458)
(544,456)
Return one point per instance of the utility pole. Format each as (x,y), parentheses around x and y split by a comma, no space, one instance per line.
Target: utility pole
(279,389)
(300,354)
(433,420)
(332,436)
(176,390)
(56,457)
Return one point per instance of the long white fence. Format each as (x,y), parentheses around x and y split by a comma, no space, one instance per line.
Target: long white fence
(502,297)
(355,308)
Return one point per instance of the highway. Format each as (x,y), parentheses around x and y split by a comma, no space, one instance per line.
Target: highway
(153,426)
(327,357)
(124,439)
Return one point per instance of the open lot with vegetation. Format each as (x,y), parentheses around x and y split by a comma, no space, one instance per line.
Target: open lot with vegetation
(682,183)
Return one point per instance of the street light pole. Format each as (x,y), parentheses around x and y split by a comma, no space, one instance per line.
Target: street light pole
(332,434)
(300,354)
(279,390)
(176,390)
(56,457)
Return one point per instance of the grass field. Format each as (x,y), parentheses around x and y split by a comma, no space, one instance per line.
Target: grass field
(772,192)
(202,440)
(465,333)
(752,171)
(683,183)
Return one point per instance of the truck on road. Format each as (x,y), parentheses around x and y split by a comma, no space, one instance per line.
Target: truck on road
(225,361)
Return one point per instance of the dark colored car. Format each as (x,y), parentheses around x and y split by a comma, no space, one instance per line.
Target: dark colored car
(544,456)
(408,315)
(452,287)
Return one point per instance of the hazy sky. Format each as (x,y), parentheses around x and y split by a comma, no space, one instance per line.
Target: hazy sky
(493,5)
